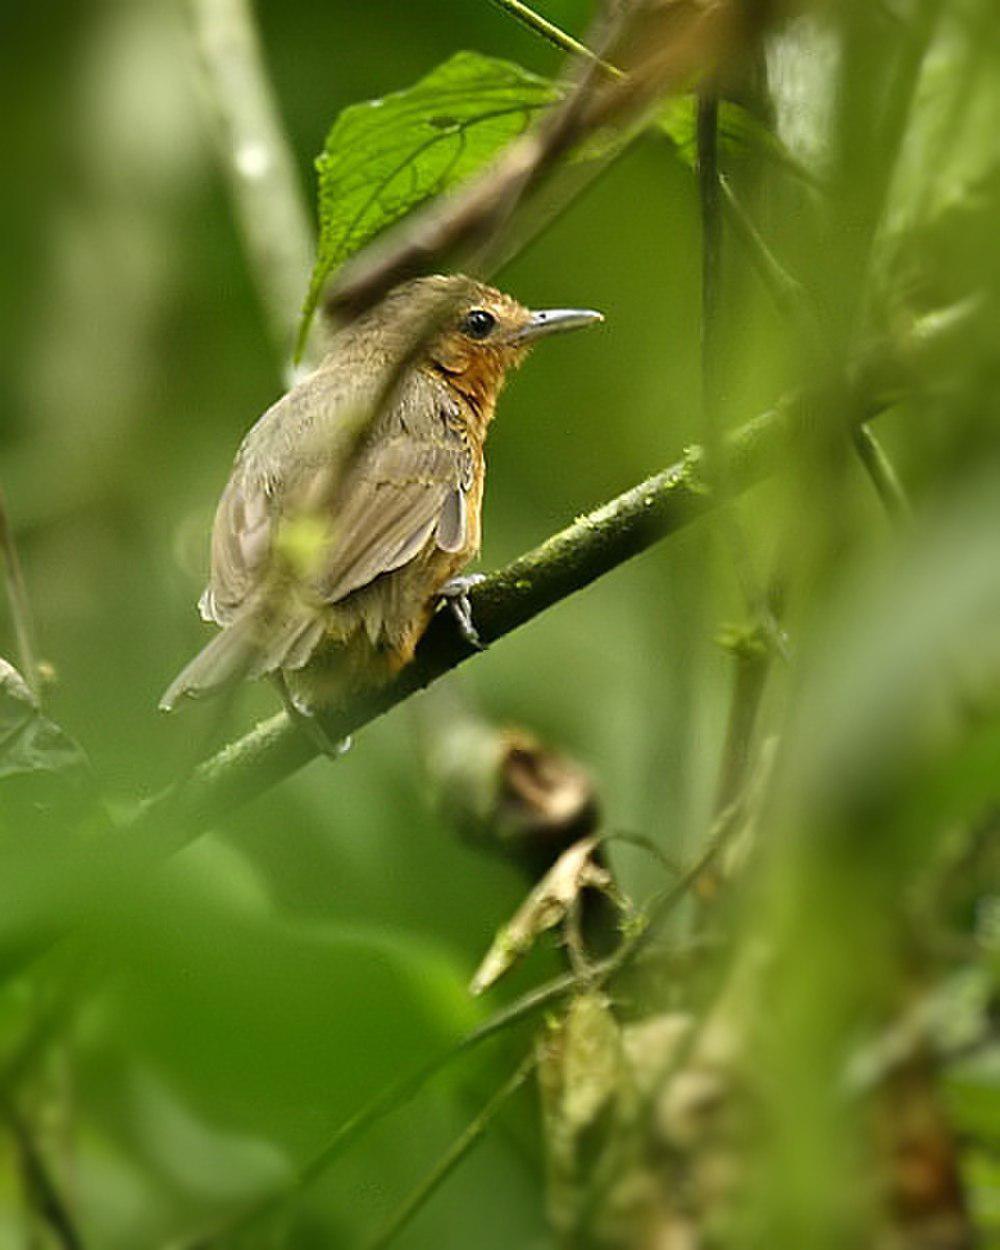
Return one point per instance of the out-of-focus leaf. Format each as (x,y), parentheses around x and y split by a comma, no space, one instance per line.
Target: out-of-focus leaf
(902,653)
(354,1006)
(191,1154)
(384,157)
(43,773)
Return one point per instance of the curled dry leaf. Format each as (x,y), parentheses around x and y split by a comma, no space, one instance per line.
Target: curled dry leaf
(546,906)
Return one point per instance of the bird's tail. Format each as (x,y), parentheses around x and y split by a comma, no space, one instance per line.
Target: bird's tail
(246,648)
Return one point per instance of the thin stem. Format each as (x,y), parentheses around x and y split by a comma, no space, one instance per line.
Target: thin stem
(788,293)
(257,159)
(20,609)
(753,659)
(42,1189)
(553,34)
(707,129)
(884,478)
(452,1157)
(791,298)
(397,1095)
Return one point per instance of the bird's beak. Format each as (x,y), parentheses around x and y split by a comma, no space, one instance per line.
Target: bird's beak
(555,321)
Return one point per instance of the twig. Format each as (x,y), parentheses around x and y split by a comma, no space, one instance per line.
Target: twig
(20,609)
(257,160)
(567,562)
(552,34)
(884,478)
(788,293)
(452,1157)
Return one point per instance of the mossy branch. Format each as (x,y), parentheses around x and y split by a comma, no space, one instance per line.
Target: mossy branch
(592,546)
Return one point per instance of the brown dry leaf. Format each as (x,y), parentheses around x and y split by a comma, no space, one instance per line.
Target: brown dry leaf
(545,907)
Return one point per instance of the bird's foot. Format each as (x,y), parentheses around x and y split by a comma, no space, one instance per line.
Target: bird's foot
(456,595)
(305,716)
(327,745)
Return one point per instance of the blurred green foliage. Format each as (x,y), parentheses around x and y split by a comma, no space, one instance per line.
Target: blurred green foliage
(218,1017)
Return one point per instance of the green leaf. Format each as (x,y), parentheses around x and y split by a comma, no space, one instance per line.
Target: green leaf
(739,132)
(384,157)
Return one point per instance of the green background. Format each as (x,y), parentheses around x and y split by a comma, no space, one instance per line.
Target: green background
(225,1014)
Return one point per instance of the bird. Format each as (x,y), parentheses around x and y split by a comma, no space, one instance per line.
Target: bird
(355,501)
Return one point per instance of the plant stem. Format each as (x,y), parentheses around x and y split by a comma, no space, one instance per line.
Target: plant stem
(707,133)
(20,609)
(790,298)
(40,1186)
(553,34)
(884,478)
(452,1157)
(788,293)
(396,1096)
(256,158)
(752,657)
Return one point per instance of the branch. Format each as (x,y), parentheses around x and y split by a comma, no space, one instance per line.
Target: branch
(568,561)
(256,158)
(508,598)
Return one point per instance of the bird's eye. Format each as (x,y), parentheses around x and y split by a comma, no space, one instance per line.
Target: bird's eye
(478,324)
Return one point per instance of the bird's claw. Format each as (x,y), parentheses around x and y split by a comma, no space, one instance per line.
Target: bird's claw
(305,716)
(324,743)
(456,595)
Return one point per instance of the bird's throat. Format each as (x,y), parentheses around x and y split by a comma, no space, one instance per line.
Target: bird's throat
(477,391)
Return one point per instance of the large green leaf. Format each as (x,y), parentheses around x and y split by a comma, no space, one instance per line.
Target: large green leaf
(384,157)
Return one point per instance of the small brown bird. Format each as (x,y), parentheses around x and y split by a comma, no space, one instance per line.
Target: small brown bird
(355,500)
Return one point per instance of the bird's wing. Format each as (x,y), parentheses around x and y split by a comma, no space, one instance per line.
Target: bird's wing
(408,482)
(397,498)
(241,544)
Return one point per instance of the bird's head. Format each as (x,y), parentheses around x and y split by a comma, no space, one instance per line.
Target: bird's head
(476,333)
